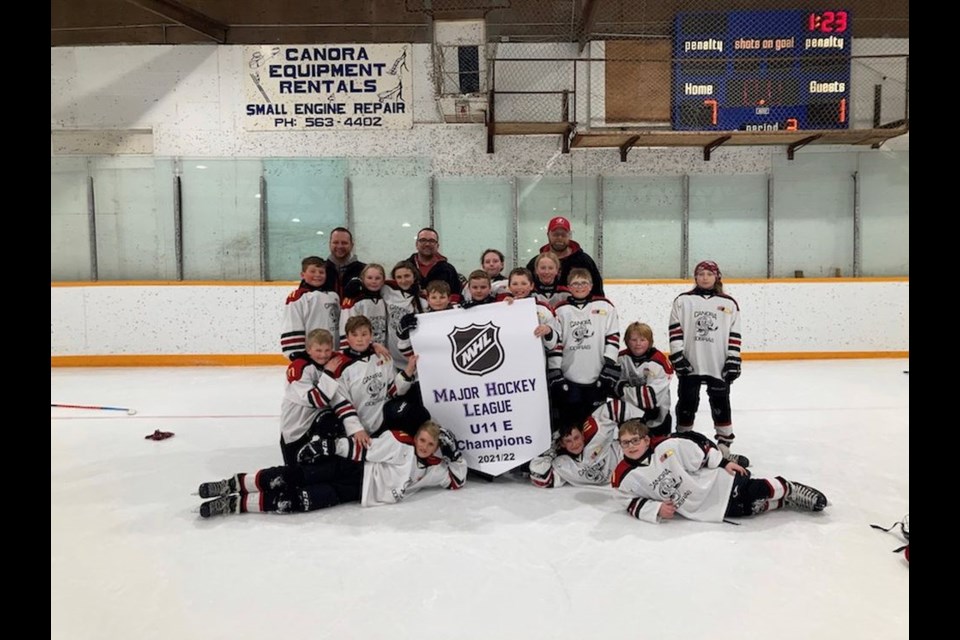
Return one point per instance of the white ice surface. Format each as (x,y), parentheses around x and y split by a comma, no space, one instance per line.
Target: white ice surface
(132,559)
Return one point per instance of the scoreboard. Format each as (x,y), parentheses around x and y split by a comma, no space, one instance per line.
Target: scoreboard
(761,70)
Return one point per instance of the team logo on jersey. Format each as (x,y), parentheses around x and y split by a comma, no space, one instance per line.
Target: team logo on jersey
(396,312)
(375,387)
(476,349)
(582,332)
(379,329)
(705,324)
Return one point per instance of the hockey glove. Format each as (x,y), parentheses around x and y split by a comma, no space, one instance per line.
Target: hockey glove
(609,376)
(352,289)
(317,449)
(407,324)
(680,364)
(731,370)
(448,446)
(556,382)
(620,388)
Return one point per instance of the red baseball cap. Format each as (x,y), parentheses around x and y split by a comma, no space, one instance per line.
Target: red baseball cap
(558,222)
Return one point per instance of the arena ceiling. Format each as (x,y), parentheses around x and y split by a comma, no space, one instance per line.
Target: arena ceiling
(113,22)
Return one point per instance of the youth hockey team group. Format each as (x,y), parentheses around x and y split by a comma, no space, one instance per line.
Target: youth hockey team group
(354,427)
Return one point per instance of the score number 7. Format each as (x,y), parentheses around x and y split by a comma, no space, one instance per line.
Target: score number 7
(710,102)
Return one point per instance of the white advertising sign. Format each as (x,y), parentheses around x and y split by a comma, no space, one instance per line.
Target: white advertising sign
(482,375)
(324,87)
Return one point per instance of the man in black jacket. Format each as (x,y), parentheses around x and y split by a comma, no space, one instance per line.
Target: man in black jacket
(432,265)
(342,266)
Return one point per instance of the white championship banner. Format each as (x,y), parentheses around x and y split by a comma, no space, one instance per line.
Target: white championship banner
(483,376)
(324,87)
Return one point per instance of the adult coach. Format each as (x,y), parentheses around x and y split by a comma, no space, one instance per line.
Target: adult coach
(432,265)
(342,265)
(571,254)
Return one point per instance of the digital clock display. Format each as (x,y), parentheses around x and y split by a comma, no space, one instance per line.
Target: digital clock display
(827,22)
(761,70)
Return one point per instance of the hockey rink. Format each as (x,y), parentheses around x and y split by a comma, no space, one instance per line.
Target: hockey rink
(131,557)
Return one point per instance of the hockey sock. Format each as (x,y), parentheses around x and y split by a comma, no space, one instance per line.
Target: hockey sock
(247,482)
(778,488)
(725,437)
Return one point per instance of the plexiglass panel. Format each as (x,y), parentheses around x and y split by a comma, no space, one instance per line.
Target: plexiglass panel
(69,221)
(813,214)
(306,198)
(391,202)
(542,198)
(221,219)
(385,201)
(885,213)
(642,227)
(474,214)
(135,219)
(728,224)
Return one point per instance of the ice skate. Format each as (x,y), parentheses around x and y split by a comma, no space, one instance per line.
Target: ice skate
(219,488)
(222,506)
(803,497)
(743,461)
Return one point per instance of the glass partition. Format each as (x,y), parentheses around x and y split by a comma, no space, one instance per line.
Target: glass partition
(728,224)
(385,201)
(69,220)
(813,198)
(136,236)
(885,213)
(642,227)
(390,202)
(474,214)
(306,198)
(221,219)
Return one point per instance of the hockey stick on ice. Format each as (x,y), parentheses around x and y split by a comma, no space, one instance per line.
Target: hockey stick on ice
(100,408)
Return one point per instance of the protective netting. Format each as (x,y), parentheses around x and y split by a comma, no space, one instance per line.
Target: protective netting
(698,64)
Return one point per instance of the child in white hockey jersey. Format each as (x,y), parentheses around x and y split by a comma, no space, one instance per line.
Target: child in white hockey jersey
(520,283)
(705,350)
(584,454)
(368,302)
(308,308)
(686,474)
(480,289)
(401,296)
(582,368)
(395,466)
(371,393)
(645,379)
(547,285)
(306,409)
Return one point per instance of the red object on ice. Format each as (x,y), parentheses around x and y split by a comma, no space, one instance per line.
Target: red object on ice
(159,435)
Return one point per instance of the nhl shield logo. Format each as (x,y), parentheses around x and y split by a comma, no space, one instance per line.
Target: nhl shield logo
(476,349)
